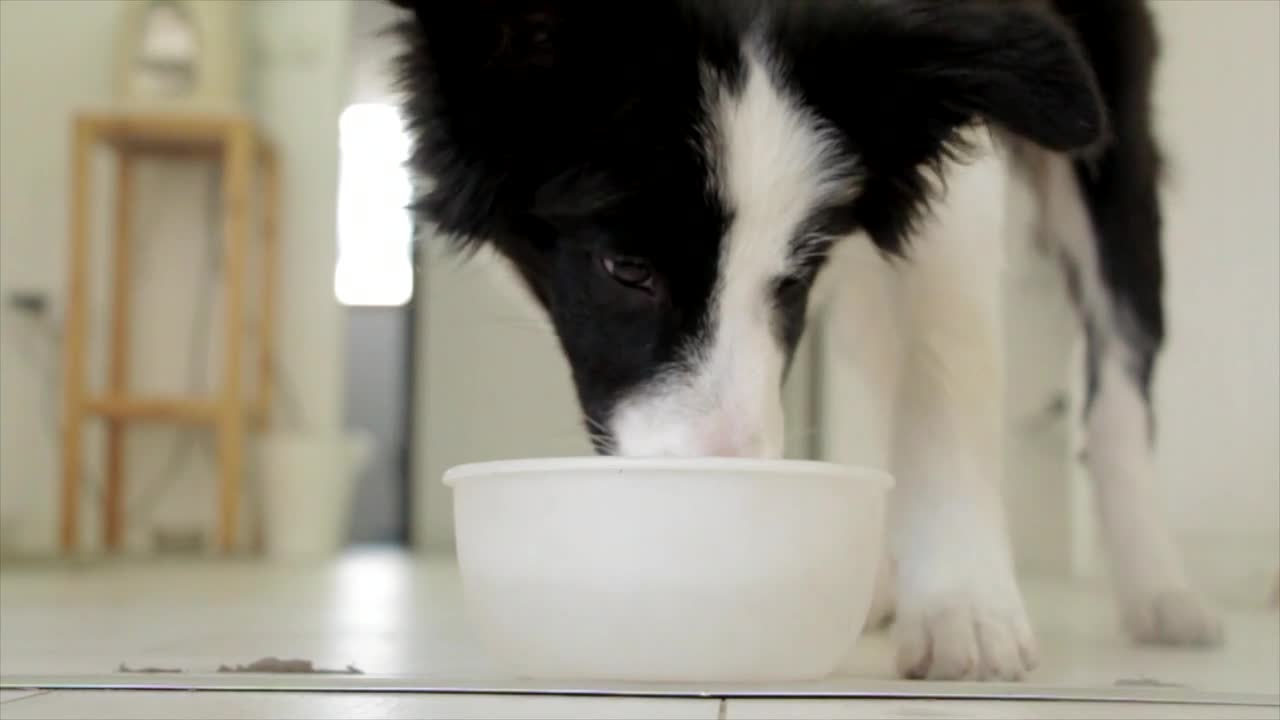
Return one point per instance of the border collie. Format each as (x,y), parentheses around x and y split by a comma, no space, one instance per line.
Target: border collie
(682,183)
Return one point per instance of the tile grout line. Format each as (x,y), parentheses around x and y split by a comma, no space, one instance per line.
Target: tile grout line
(28,696)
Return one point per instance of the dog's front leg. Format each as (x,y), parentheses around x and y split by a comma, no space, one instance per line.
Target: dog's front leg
(960,613)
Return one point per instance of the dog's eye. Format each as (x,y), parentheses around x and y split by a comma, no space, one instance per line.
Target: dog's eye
(632,272)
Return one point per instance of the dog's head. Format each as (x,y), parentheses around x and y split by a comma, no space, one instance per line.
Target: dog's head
(667,176)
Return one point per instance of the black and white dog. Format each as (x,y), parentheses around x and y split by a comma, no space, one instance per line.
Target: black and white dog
(681,182)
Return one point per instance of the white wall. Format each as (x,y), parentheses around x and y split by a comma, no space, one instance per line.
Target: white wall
(300,75)
(1219,103)
(55,58)
(36,85)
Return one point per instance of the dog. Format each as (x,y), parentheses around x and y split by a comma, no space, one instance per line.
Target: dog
(683,184)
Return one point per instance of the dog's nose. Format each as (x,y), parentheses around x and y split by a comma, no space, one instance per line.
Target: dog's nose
(688,435)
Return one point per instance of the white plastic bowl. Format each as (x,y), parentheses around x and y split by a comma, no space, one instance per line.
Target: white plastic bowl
(676,570)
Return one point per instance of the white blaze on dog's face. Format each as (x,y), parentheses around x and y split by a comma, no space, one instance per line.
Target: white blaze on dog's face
(772,165)
(667,176)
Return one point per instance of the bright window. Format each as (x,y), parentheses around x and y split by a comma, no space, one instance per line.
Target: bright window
(375,232)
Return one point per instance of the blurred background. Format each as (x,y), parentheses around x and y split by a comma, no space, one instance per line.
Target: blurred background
(392,363)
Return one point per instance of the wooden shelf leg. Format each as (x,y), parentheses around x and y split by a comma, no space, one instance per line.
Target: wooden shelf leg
(121,337)
(266,322)
(270,263)
(237,177)
(73,347)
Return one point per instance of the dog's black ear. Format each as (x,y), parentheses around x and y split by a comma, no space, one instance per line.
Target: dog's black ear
(472,73)
(1006,61)
(900,78)
(501,95)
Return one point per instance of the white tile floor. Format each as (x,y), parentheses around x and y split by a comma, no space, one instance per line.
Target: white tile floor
(400,622)
(111,704)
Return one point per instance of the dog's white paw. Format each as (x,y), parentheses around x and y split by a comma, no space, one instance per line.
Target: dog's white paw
(965,639)
(1171,617)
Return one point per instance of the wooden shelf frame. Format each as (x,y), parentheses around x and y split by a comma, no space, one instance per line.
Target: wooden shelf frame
(234,142)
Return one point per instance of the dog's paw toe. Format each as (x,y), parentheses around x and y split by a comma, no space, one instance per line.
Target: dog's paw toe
(965,642)
(1173,617)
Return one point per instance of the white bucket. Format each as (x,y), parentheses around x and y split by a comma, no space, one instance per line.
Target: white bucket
(307,488)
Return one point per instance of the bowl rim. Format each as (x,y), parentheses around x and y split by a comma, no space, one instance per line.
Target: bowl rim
(605,463)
